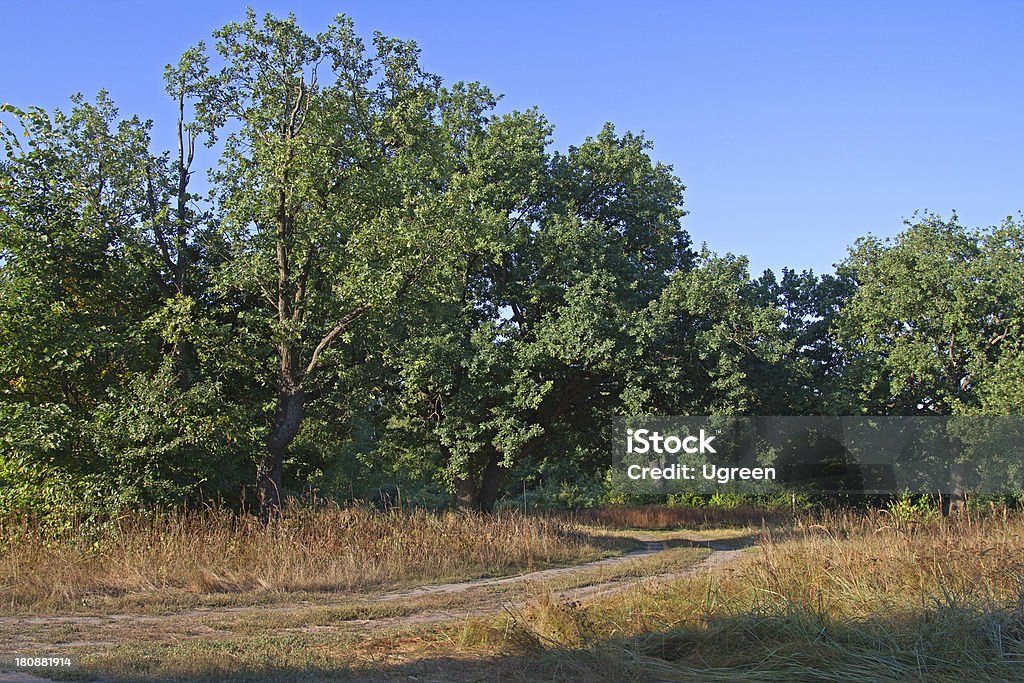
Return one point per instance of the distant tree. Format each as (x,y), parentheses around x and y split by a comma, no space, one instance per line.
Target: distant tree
(935,328)
(807,380)
(582,304)
(530,348)
(936,316)
(715,346)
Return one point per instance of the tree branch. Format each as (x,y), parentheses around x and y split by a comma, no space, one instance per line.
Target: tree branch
(343,324)
(333,334)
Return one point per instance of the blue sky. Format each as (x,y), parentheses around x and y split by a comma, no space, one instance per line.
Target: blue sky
(796,126)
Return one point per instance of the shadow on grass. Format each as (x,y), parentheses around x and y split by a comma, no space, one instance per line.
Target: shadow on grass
(715,544)
(943,643)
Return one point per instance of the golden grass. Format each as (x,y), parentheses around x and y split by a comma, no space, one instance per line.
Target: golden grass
(835,597)
(211,552)
(840,596)
(662,517)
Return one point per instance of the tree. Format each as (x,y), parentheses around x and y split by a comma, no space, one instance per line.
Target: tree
(711,345)
(103,288)
(935,326)
(528,354)
(808,379)
(936,310)
(70,286)
(341,186)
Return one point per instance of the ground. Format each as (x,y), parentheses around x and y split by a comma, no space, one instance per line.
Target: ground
(391,635)
(833,595)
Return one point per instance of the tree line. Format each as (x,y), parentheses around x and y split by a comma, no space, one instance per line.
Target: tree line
(383,280)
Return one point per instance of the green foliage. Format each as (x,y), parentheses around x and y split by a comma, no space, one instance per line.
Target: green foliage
(907,509)
(732,501)
(391,288)
(808,379)
(166,445)
(711,344)
(935,326)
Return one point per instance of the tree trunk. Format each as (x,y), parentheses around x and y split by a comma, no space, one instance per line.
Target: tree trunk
(480,494)
(287,420)
(956,503)
(490,486)
(957,500)
(185,362)
(465,493)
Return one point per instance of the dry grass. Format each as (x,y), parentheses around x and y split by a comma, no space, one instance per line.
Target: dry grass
(835,597)
(840,596)
(662,517)
(213,552)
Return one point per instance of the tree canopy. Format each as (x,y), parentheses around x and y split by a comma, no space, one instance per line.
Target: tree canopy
(391,283)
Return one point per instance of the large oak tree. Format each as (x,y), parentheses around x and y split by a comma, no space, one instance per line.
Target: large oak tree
(341,186)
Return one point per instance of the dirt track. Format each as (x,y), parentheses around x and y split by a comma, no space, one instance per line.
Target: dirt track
(407,608)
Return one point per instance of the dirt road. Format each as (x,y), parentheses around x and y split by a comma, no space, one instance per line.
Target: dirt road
(660,559)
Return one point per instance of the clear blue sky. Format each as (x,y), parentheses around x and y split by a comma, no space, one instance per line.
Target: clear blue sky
(796,126)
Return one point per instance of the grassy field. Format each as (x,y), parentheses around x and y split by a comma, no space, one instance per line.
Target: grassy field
(217,558)
(832,597)
(838,597)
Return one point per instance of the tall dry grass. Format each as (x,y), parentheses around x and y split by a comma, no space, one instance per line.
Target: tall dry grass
(660,517)
(839,596)
(216,551)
